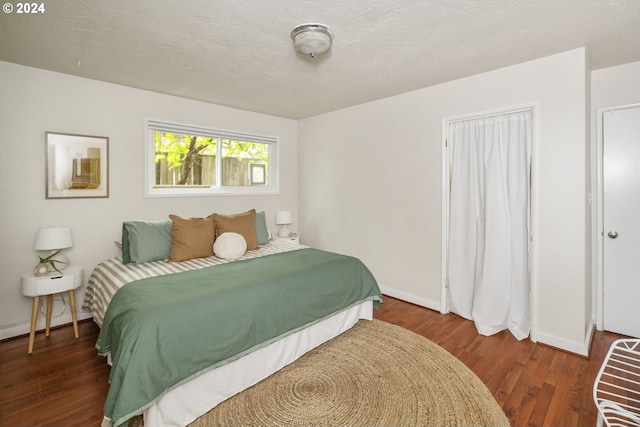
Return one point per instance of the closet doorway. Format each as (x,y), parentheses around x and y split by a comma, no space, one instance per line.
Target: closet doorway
(486,221)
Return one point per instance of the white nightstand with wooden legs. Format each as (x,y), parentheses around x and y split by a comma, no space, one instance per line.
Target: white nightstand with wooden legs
(53,283)
(293,237)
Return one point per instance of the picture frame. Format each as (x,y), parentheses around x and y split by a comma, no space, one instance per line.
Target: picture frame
(76,166)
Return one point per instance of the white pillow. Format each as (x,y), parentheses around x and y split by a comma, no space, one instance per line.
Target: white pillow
(229,245)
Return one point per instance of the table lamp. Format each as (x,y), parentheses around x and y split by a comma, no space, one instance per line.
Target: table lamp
(284,218)
(52,239)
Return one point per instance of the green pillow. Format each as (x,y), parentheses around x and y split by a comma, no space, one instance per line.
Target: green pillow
(261,229)
(145,241)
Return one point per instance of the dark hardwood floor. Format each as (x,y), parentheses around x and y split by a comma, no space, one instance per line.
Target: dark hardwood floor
(64,382)
(536,385)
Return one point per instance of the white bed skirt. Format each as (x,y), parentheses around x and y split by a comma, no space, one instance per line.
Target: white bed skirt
(183,404)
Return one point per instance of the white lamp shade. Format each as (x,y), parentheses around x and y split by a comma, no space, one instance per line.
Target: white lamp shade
(49,238)
(284,217)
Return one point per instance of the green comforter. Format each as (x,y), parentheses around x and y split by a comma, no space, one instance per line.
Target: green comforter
(165,330)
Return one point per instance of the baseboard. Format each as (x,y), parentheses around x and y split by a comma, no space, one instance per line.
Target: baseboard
(24,328)
(580,348)
(423,302)
(591,330)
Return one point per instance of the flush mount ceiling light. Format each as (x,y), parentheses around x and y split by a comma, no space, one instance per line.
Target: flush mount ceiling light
(312,39)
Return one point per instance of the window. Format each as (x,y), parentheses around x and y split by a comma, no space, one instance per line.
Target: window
(185,160)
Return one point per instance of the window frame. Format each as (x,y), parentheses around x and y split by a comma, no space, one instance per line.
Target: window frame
(152,191)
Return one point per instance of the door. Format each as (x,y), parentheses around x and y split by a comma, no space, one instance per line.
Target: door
(621,221)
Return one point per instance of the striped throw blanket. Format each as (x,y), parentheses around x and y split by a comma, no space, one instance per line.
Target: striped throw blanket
(112,274)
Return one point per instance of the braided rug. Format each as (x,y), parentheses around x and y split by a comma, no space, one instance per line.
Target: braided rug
(375,374)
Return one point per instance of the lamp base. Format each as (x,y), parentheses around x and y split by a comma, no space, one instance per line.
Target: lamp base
(284,231)
(59,263)
(55,261)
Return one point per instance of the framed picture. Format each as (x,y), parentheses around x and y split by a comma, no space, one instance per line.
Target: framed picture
(77,166)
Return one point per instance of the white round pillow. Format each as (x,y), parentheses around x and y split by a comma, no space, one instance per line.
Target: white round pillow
(229,246)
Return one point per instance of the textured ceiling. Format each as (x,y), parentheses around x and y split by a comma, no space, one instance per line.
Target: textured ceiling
(238,53)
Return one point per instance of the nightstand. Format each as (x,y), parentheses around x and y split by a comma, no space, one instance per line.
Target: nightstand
(53,283)
(293,237)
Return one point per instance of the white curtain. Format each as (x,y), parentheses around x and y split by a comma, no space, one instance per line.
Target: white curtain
(488,250)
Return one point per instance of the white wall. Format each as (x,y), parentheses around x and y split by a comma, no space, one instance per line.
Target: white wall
(367,182)
(615,86)
(33,101)
(370,185)
(610,87)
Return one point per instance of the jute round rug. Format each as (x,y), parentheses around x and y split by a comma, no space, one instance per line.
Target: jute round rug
(375,374)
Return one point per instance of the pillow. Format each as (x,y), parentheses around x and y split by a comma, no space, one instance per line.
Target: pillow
(262,234)
(145,241)
(192,238)
(230,245)
(243,223)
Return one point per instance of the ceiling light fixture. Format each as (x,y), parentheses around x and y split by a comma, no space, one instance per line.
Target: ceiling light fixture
(312,39)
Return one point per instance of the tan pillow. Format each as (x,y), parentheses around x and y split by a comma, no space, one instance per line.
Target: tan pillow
(192,238)
(243,223)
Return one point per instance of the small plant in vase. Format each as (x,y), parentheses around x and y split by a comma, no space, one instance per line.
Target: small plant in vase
(43,266)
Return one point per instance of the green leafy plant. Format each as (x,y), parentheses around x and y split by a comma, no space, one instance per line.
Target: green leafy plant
(52,262)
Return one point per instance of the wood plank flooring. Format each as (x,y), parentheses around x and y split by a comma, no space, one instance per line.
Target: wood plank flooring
(64,382)
(536,385)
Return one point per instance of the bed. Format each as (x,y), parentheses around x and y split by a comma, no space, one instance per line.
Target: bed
(184,336)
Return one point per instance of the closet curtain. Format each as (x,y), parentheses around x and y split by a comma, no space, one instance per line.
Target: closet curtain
(488,248)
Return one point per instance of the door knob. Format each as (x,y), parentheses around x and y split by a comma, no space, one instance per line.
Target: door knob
(612,234)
